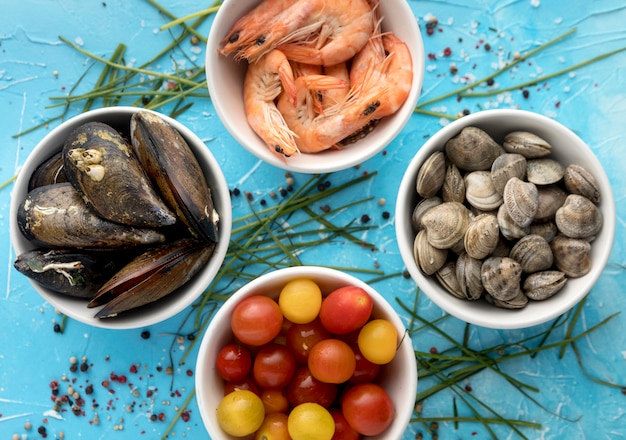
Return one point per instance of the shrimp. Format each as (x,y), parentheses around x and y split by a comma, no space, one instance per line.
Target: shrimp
(245,30)
(334,96)
(324,32)
(265,80)
(318,132)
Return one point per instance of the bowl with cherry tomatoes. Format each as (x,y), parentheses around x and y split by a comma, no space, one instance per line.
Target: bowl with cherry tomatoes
(306,352)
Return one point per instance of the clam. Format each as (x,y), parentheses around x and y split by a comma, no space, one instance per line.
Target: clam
(431,175)
(151,276)
(429,258)
(521,200)
(423,206)
(572,256)
(533,253)
(49,172)
(480,191)
(501,277)
(580,181)
(175,171)
(57,216)
(519,301)
(447,278)
(453,188)
(547,230)
(482,236)
(69,271)
(472,149)
(505,167)
(527,144)
(579,217)
(446,224)
(543,285)
(508,228)
(545,171)
(102,166)
(468,275)
(551,198)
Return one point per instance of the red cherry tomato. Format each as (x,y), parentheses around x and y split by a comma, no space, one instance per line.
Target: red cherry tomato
(368,408)
(300,338)
(305,388)
(256,320)
(273,366)
(364,371)
(247,383)
(343,430)
(346,309)
(332,360)
(233,362)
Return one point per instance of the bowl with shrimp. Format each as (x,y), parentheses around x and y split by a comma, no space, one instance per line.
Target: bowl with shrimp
(306,95)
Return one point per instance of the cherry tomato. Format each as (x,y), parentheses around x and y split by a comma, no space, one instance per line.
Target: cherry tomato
(273,366)
(346,309)
(233,362)
(256,320)
(310,421)
(332,360)
(274,400)
(364,370)
(368,408)
(306,388)
(274,427)
(300,300)
(301,338)
(240,413)
(343,430)
(247,383)
(378,340)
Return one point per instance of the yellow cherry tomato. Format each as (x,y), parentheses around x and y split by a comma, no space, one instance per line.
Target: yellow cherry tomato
(240,413)
(378,340)
(300,300)
(310,421)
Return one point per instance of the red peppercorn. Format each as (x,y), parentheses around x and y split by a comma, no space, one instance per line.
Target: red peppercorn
(447,52)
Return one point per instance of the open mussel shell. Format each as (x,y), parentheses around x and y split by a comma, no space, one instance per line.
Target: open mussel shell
(69,271)
(173,168)
(57,216)
(152,275)
(103,167)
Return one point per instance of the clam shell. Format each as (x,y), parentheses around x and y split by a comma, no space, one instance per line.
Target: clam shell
(472,149)
(501,277)
(453,189)
(446,224)
(468,275)
(579,217)
(423,206)
(543,285)
(57,216)
(544,171)
(431,175)
(103,167)
(175,171)
(547,230)
(429,258)
(533,253)
(551,198)
(508,228)
(482,236)
(527,144)
(480,192)
(572,256)
(521,200)
(580,181)
(447,278)
(519,301)
(505,167)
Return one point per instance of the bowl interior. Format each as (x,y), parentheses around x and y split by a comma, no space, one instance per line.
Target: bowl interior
(225,83)
(400,375)
(567,148)
(76,308)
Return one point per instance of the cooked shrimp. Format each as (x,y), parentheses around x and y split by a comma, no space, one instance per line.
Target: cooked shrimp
(264,82)
(318,132)
(324,32)
(334,96)
(245,30)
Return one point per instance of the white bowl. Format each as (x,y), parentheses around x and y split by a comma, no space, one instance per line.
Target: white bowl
(225,83)
(76,308)
(399,377)
(567,148)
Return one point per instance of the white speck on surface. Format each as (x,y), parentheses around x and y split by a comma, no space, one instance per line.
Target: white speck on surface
(535,3)
(431,67)
(79,41)
(196,49)
(624,354)
(54,414)
(558,20)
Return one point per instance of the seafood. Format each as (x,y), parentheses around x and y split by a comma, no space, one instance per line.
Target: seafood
(423,206)
(544,171)
(527,144)
(453,188)
(103,167)
(49,172)
(264,82)
(448,279)
(521,200)
(572,256)
(57,216)
(482,236)
(431,175)
(579,217)
(175,171)
(580,181)
(446,224)
(505,167)
(468,274)
(533,253)
(542,285)
(501,277)
(551,198)
(429,258)
(480,192)
(472,150)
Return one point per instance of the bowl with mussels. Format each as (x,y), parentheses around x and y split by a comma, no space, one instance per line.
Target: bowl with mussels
(505,218)
(120,217)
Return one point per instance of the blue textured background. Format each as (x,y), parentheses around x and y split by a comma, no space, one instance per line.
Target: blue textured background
(35,65)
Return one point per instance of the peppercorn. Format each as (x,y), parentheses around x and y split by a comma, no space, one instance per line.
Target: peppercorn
(145,334)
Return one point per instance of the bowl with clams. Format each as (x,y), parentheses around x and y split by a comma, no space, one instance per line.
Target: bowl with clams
(320,107)
(120,217)
(505,218)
